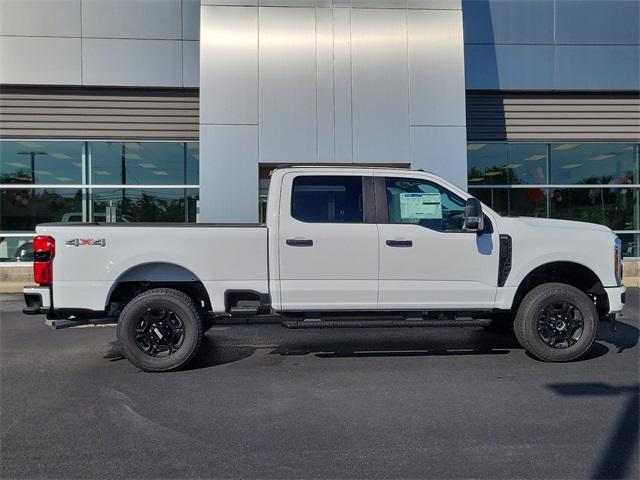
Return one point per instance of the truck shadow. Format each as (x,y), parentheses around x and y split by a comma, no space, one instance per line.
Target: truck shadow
(220,349)
(477,342)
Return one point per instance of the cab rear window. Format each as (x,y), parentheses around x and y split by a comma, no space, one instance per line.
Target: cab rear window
(327,199)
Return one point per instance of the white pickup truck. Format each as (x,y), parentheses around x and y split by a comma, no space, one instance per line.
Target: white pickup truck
(341,247)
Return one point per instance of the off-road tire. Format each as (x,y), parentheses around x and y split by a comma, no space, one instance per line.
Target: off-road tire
(525,324)
(183,306)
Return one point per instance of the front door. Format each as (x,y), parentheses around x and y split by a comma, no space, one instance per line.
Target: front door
(427,259)
(328,243)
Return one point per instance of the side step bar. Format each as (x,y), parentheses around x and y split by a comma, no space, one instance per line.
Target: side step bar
(398,323)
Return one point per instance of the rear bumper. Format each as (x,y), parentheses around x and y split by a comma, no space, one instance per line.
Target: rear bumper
(37,300)
(616,296)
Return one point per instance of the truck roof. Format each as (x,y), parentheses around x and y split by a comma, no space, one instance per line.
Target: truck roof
(349,167)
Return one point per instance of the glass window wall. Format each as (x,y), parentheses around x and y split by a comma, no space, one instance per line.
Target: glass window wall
(31,162)
(588,182)
(75,181)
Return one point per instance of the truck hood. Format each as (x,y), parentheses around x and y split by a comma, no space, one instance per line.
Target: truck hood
(560,224)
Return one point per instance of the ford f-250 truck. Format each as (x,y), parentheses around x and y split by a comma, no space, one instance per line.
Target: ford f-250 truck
(341,247)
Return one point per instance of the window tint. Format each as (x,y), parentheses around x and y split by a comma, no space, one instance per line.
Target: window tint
(327,199)
(424,203)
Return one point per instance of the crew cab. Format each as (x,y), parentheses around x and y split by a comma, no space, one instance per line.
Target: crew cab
(341,247)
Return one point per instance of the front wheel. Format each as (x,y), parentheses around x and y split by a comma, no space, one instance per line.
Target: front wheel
(556,322)
(160,330)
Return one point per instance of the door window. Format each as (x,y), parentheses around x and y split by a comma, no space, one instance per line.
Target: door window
(327,199)
(423,203)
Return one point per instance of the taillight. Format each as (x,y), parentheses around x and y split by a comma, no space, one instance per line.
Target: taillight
(44,249)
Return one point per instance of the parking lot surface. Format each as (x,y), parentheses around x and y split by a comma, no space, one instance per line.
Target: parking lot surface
(262,401)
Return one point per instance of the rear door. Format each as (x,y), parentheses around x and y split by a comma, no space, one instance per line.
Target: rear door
(427,258)
(328,242)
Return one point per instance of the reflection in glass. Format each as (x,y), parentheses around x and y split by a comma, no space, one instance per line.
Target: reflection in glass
(513,202)
(138,205)
(16,249)
(22,209)
(193,205)
(507,163)
(33,162)
(193,163)
(630,244)
(593,163)
(137,163)
(614,207)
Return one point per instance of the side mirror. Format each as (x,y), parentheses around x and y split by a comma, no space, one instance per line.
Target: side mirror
(473,216)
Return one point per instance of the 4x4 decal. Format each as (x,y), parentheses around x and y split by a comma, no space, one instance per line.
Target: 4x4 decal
(84,242)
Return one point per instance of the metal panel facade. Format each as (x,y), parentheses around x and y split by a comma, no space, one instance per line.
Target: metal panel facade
(434,39)
(60,18)
(231,167)
(598,22)
(380,86)
(229,65)
(40,60)
(191,64)
(327,82)
(509,67)
(42,42)
(343,143)
(287,92)
(131,62)
(552,44)
(144,19)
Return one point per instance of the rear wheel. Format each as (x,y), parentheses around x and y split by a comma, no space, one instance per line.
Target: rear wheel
(556,322)
(160,330)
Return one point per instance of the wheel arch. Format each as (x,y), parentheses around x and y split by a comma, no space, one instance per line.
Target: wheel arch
(150,275)
(568,272)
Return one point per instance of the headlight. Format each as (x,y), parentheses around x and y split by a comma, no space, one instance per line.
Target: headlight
(617,260)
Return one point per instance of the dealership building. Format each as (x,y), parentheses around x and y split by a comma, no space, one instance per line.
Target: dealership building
(178,110)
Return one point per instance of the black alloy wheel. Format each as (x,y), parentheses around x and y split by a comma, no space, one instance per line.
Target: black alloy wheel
(560,324)
(160,332)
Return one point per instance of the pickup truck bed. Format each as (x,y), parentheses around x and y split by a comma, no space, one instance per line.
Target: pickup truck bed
(91,258)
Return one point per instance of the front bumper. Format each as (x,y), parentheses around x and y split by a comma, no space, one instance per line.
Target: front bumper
(37,299)
(616,297)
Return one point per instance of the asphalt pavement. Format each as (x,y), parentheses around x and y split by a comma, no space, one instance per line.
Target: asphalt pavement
(262,401)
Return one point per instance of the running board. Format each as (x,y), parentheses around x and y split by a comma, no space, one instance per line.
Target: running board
(398,323)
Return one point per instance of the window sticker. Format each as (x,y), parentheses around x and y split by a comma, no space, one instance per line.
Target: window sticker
(420,206)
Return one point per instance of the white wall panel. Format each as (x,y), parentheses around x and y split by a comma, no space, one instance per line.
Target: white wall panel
(380,86)
(59,18)
(151,19)
(132,62)
(40,60)
(229,65)
(191,19)
(246,3)
(379,3)
(436,66)
(229,173)
(436,4)
(441,150)
(190,64)
(325,91)
(287,85)
(342,85)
